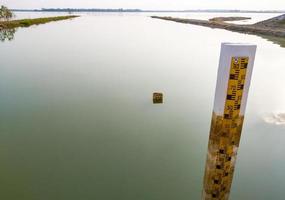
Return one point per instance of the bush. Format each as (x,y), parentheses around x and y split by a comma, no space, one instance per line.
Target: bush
(5,13)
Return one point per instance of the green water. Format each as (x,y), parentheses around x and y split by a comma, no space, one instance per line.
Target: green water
(77,120)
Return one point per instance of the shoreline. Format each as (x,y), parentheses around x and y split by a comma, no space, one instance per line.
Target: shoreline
(29,22)
(248,29)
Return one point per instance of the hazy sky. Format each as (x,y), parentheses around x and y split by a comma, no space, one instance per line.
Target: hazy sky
(150,4)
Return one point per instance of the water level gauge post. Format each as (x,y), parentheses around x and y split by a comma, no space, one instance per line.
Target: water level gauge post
(232,87)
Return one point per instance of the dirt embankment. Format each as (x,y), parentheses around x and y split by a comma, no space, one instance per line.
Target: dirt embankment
(272,27)
(224,19)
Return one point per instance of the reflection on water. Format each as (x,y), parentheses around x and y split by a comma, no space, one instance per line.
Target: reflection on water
(7,34)
(275,118)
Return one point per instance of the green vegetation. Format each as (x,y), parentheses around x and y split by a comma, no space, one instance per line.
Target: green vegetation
(30,22)
(5,13)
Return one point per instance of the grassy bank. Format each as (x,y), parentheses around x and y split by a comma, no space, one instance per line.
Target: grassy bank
(29,22)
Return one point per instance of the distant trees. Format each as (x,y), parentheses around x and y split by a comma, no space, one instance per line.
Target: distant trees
(5,13)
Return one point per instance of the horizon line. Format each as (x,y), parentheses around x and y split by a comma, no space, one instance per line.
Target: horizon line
(143,10)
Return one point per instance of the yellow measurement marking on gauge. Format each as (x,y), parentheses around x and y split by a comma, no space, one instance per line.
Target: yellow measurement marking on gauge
(231,129)
(234,75)
(224,141)
(234,94)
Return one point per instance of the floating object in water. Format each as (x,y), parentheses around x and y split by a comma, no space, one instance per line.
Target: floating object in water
(157,98)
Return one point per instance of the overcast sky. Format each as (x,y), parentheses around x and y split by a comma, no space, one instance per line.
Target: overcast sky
(150,4)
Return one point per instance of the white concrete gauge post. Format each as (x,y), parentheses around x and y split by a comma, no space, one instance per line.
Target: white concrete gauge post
(234,76)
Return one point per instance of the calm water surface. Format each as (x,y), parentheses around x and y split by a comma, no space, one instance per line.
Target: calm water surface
(77,120)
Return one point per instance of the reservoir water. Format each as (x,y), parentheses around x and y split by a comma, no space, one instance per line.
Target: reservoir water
(77,120)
